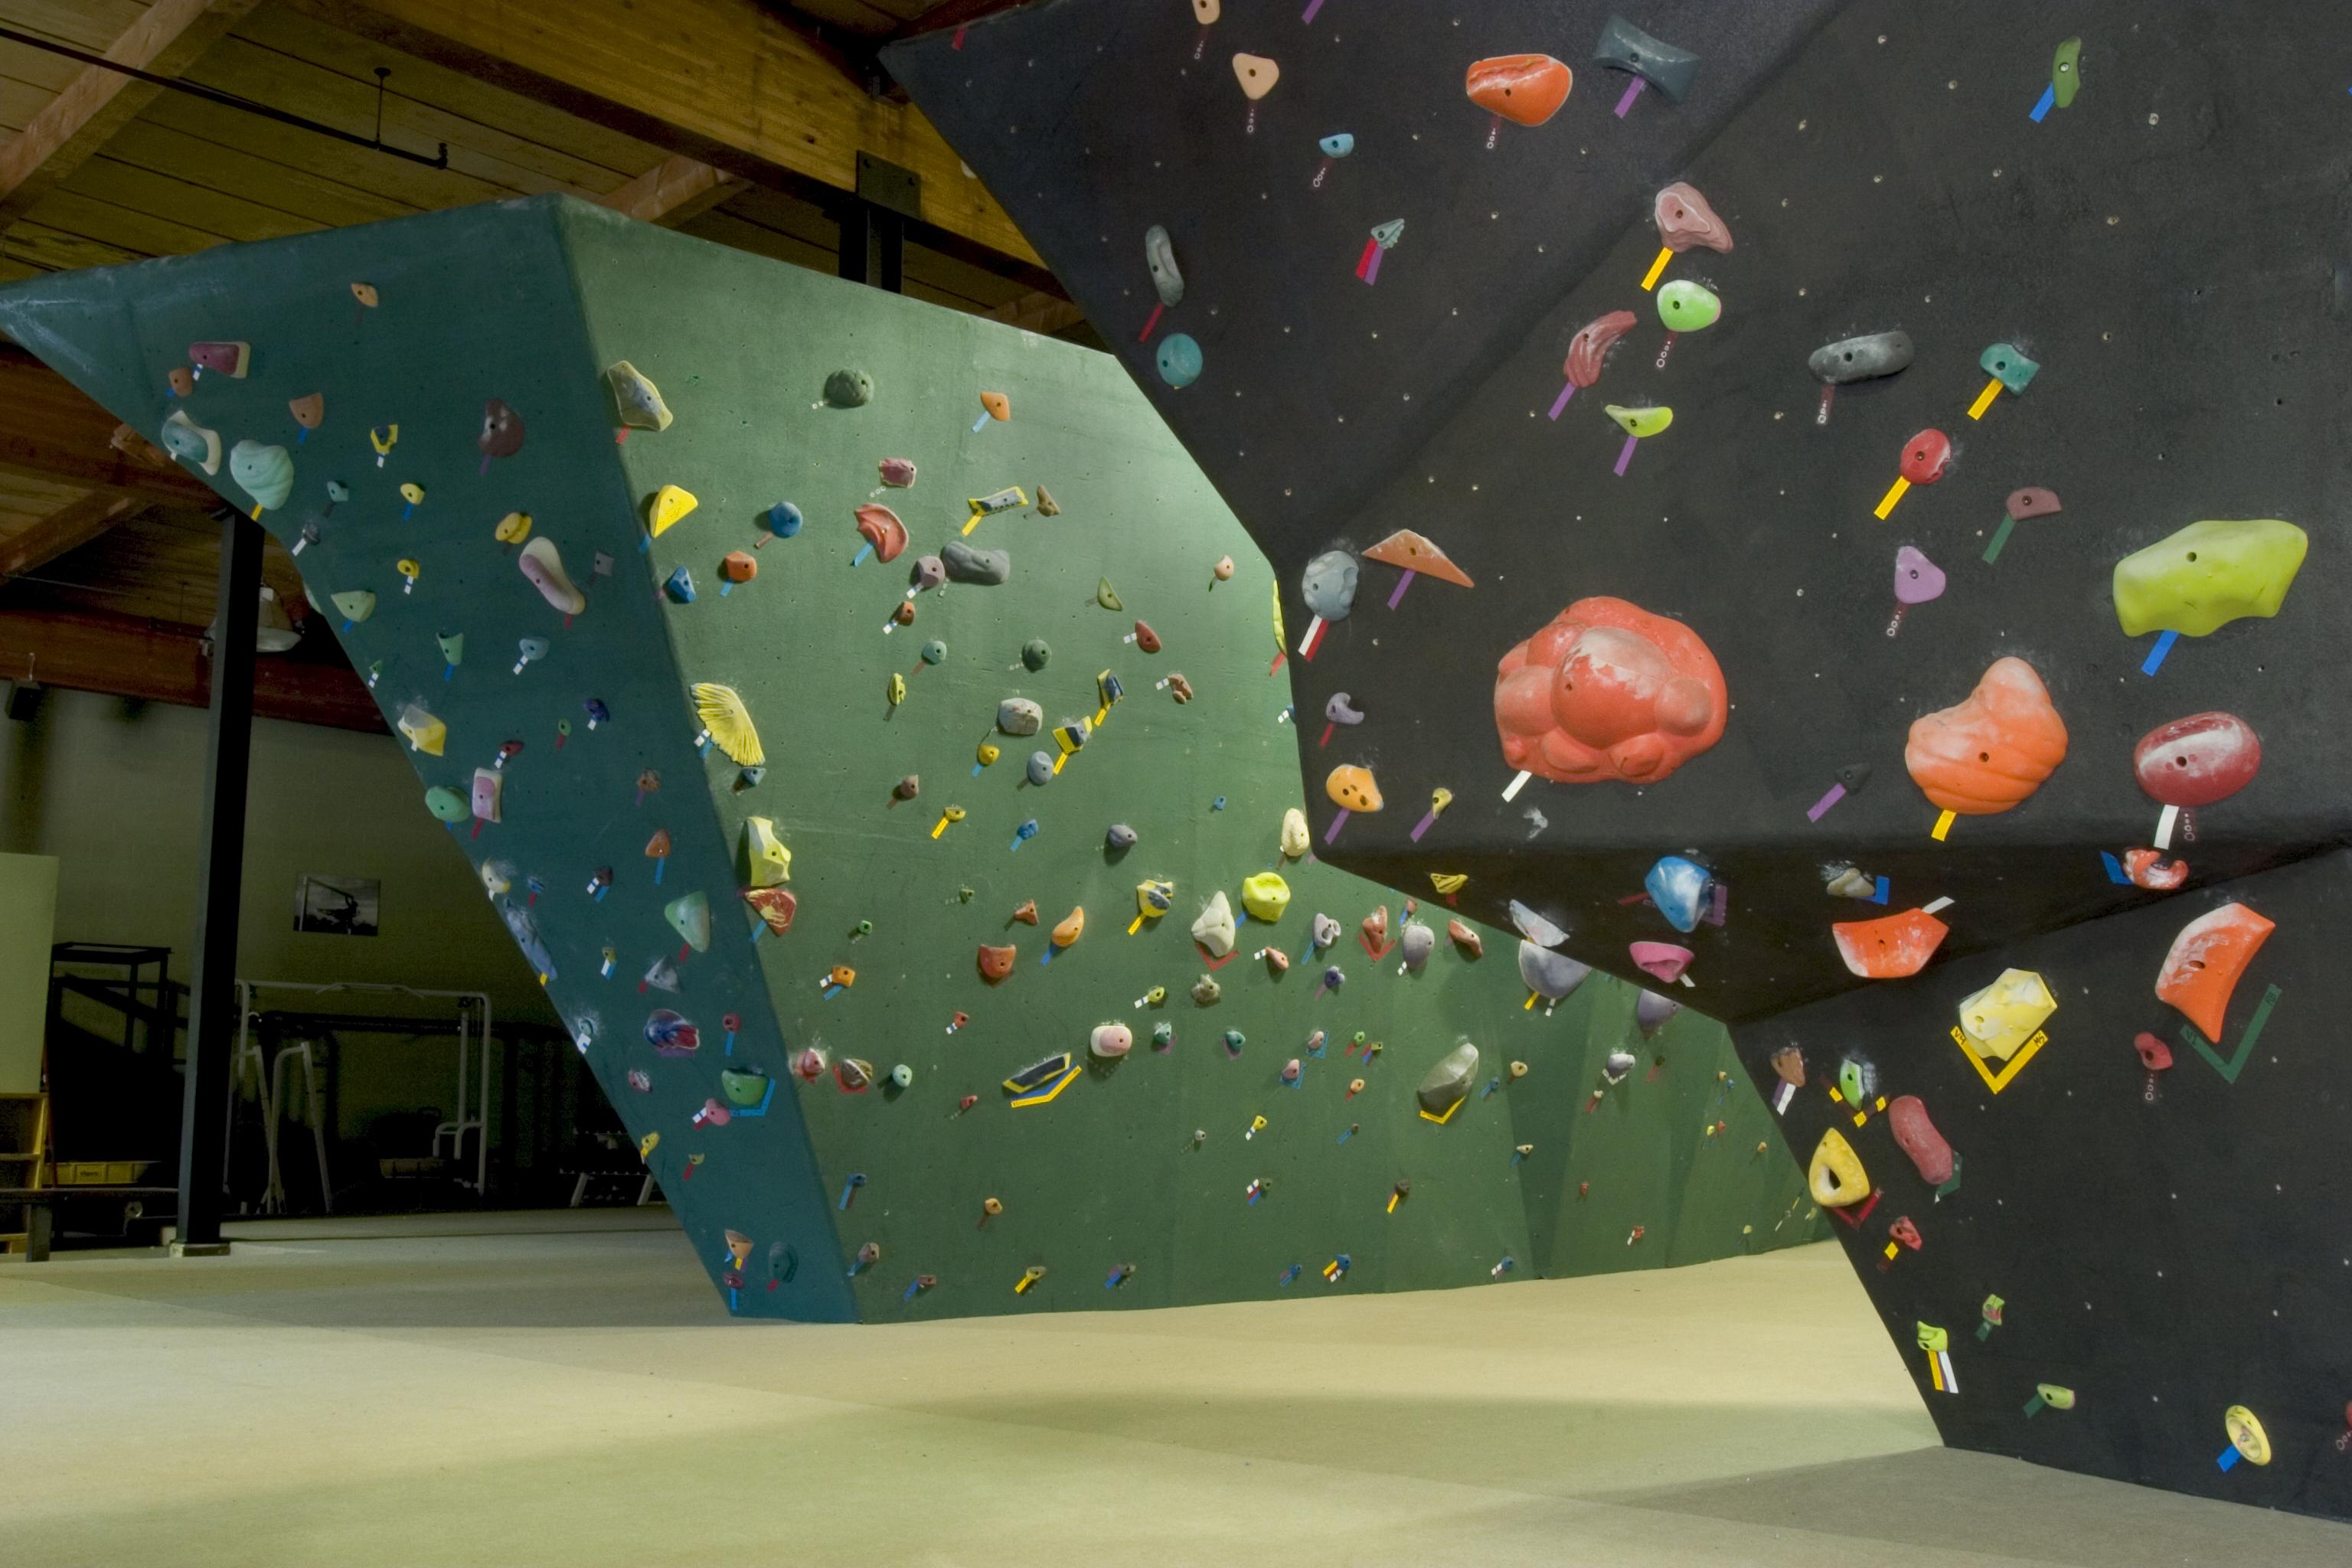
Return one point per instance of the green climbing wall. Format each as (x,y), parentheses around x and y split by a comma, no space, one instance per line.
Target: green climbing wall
(1147,1161)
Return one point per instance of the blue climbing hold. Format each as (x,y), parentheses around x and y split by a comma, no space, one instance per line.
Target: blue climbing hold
(1679,887)
(1180,359)
(783,520)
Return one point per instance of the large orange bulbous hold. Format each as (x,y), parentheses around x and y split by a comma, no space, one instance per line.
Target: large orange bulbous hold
(1608,691)
(1526,89)
(1986,754)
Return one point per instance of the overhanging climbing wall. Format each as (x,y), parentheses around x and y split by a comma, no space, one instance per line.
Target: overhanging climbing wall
(515,506)
(1842,498)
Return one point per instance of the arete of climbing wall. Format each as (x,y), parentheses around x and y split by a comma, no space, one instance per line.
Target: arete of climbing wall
(714,598)
(1844,498)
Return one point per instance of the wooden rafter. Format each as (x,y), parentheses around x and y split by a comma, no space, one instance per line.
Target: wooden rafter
(70,527)
(72,126)
(721,81)
(672,191)
(123,656)
(50,431)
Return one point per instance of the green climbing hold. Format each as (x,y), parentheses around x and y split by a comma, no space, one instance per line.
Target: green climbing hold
(690,918)
(1686,307)
(1106,595)
(2066,71)
(2208,574)
(849,389)
(1850,1081)
(1034,652)
(745,1088)
(447,804)
(1640,421)
(2006,364)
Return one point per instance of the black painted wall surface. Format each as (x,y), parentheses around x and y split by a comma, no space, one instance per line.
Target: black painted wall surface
(2169,247)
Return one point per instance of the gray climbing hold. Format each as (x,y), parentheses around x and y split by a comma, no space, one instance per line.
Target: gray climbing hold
(1041,767)
(1159,255)
(1034,652)
(1535,928)
(1848,882)
(1861,359)
(1650,1011)
(1447,1084)
(1327,931)
(849,389)
(1328,585)
(1419,942)
(1020,716)
(1120,837)
(1551,975)
(1617,1065)
(966,564)
(1341,709)
(929,572)
(1662,66)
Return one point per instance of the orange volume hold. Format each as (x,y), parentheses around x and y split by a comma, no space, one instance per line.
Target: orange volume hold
(1890,947)
(1526,89)
(2201,970)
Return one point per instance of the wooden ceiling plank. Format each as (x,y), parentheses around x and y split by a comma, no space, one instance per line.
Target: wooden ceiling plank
(673,192)
(47,250)
(86,24)
(71,527)
(125,657)
(50,430)
(166,40)
(127,228)
(394,178)
(19,101)
(38,67)
(107,179)
(146,145)
(721,80)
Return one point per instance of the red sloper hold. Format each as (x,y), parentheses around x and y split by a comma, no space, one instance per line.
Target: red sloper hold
(1917,1137)
(1685,219)
(1926,456)
(2207,958)
(2198,759)
(1590,346)
(1606,692)
(1526,89)
(880,528)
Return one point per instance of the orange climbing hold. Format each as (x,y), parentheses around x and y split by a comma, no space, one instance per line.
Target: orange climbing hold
(1890,947)
(1526,89)
(1413,553)
(1989,752)
(2209,955)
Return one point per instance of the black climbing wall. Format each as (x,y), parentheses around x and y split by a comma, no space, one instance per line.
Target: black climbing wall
(2166,245)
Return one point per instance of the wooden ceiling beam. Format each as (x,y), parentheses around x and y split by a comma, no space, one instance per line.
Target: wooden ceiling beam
(70,527)
(672,192)
(71,127)
(122,656)
(1037,312)
(721,81)
(50,430)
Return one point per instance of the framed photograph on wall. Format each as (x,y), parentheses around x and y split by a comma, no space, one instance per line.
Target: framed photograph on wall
(338,906)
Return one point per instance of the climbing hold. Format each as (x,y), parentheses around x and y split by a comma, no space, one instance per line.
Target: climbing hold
(502,430)
(1917,579)
(1071,927)
(1446,1085)
(1351,788)
(2198,580)
(2154,1054)
(1163,1033)
(1686,306)
(690,917)
(854,1074)
(1418,943)
(1146,639)
(2199,759)
(1327,931)
(191,442)
(1329,585)
(1551,975)
(1607,691)
(784,520)
(848,389)
(671,1035)
(679,586)
(998,406)
(423,731)
(1850,1081)
(1205,992)
(668,506)
(1341,709)
(229,359)
(934,651)
(1179,360)
(907,788)
(1293,834)
(1990,751)
(1662,66)
(636,403)
(1998,1020)
(1277,961)
(766,860)
(880,528)
(2247,1437)
(1110,1041)
(447,804)
(2031,501)
(996,962)
(1041,767)
(1679,889)
(267,472)
(1154,897)
(739,566)
(1375,927)
(1411,551)
(1871,355)
(1027,913)
(1119,837)
(1788,1065)
(898,473)
(1265,895)
(512,529)
(1926,456)
(2067,72)
(1019,716)
(1685,219)
(1917,1137)
(1338,145)
(1213,929)
(1526,89)
(2208,956)
(1890,947)
(1644,421)
(1223,570)
(1466,938)
(1293,1070)
(2146,868)
(1616,1065)
(1662,959)
(964,564)
(1835,1176)
(1588,350)
(1257,74)
(2005,364)
(543,566)
(724,714)
(1160,257)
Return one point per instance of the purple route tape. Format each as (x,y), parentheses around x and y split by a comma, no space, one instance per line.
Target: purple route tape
(1560,404)
(1820,806)
(1635,91)
(1626,455)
